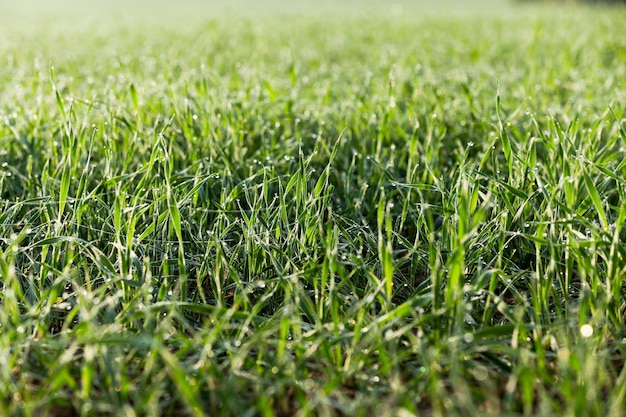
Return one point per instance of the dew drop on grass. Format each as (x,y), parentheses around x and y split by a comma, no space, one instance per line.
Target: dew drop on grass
(480,373)
(586,330)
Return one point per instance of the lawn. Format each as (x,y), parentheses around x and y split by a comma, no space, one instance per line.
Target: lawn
(327,208)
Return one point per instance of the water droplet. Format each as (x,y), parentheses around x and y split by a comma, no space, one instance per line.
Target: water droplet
(586,330)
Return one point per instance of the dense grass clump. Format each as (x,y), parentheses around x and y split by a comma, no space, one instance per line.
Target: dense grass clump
(337,213)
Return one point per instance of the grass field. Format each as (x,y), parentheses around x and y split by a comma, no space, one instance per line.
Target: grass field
(349,208)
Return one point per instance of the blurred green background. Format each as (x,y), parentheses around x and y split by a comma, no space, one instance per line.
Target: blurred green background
(25,15)
(15,15)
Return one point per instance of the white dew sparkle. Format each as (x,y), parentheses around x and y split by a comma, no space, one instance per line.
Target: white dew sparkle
(586,330)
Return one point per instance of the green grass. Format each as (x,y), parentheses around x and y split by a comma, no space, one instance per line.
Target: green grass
(345,211)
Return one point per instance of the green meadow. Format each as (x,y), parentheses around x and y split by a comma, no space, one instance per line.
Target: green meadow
(314,209)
